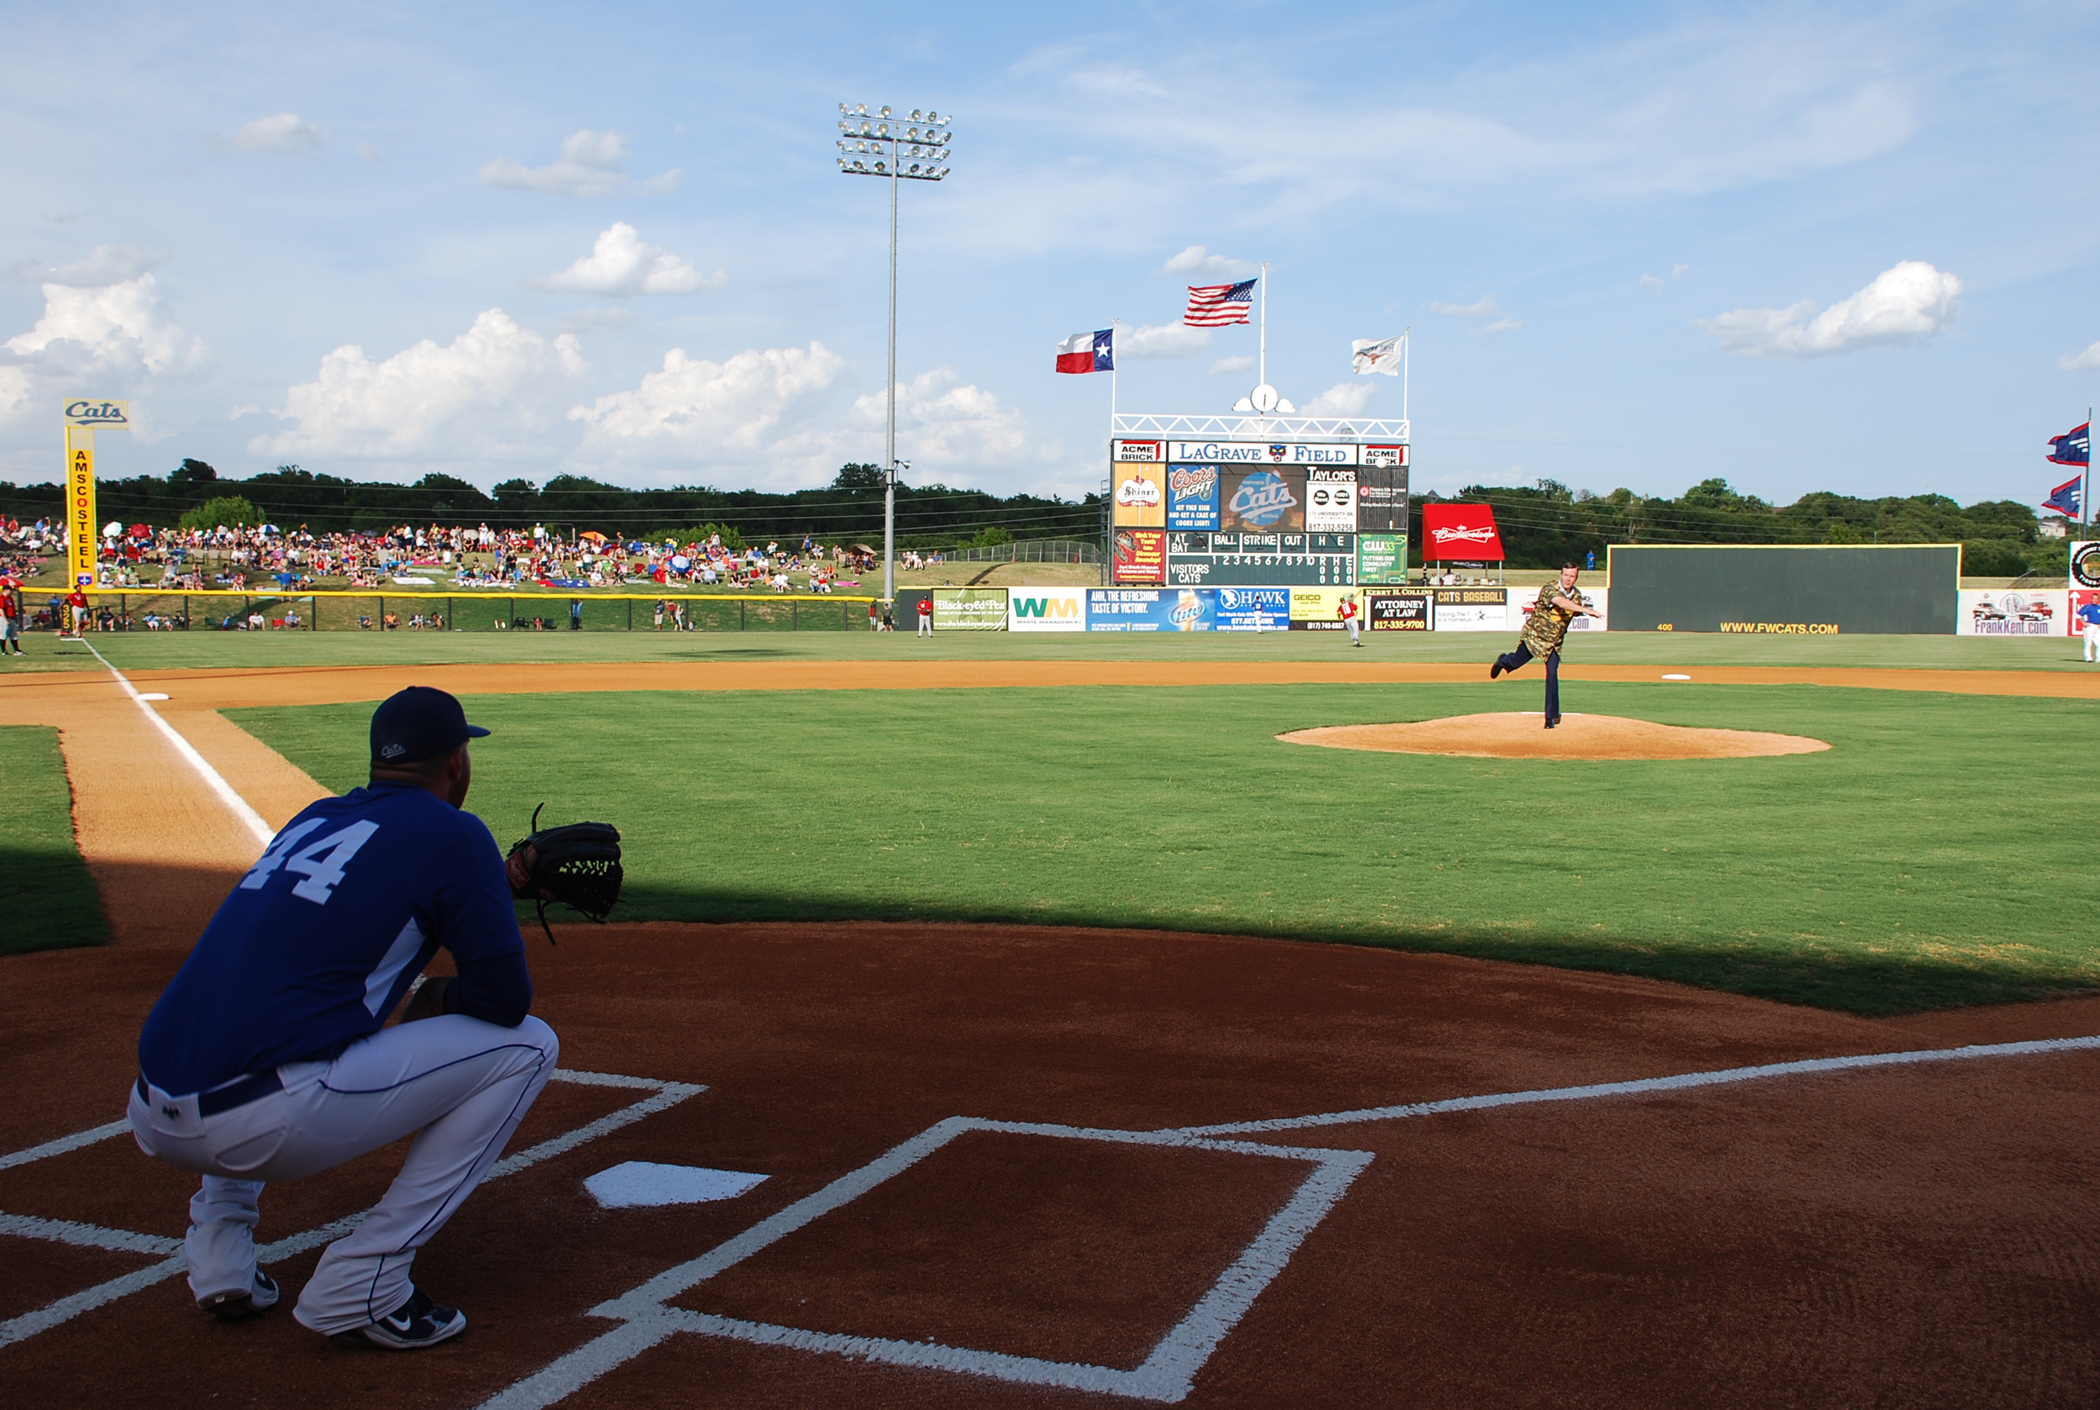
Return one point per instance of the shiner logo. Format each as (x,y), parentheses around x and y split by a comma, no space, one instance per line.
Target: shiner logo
(1262,499)
(1138,492)
(1463,534)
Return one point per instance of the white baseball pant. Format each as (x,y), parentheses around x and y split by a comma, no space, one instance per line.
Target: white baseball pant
(2092,642)
(461,1084)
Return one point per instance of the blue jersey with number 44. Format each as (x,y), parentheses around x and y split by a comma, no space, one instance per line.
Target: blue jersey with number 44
(325,933)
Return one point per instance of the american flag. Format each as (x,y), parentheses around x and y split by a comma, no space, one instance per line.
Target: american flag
(1215,305)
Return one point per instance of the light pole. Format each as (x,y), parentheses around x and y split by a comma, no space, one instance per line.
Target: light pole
(902,148)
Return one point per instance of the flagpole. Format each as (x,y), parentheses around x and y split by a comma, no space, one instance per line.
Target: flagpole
(2085,489)
(1264,368)
(1407,355)
(1113,325)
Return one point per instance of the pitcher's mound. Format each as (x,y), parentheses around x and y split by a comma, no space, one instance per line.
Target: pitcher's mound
(1524,736)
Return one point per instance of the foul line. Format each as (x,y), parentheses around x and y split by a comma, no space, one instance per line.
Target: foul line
(1678,1083)
(254,820)
(662,1095)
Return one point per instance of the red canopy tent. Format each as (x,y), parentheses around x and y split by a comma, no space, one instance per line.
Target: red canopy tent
(1460,533)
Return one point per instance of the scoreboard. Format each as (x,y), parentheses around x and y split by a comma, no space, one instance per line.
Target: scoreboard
(1246,513)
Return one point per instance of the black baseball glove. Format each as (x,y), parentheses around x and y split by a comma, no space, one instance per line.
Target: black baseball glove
(577,865)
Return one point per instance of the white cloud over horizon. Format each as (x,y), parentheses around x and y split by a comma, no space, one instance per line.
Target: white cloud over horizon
(621,263)
(1907,303)
(591,164)
(1150,340)
(286,133)
(102,319)
(2081,362)
(1197,263)
(472,398)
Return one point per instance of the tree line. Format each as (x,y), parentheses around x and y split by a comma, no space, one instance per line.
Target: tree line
(848,510)
(1542,524)
(1547,524)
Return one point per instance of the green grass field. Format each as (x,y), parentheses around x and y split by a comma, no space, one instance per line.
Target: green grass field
(242,650)
(45,891)
(1909,867)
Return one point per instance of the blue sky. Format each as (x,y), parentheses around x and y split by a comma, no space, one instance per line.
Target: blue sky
(1829,247)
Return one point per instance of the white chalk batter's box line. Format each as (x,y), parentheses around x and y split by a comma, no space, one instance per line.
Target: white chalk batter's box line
(1168,1373)
(663,1095)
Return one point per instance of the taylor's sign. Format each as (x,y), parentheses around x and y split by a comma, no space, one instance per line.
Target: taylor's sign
(1259,453)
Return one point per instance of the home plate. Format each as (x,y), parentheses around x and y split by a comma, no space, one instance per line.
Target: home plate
(644,1182)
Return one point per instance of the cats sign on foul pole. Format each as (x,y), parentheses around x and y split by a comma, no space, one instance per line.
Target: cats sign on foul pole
(83,416)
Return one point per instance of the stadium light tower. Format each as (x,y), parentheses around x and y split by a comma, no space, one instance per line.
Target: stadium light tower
(902,147)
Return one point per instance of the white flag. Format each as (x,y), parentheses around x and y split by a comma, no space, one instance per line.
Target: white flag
(1381,356)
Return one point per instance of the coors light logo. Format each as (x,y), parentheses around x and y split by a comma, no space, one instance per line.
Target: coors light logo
(1192,481)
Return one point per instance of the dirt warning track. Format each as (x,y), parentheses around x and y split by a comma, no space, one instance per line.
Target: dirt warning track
(1014,1166)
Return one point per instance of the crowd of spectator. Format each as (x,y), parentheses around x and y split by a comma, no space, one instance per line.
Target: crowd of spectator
(458,556)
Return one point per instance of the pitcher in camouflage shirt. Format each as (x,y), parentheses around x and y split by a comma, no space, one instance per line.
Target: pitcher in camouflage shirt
(1559,604)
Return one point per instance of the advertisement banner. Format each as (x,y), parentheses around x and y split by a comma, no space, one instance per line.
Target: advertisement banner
(1192,497)
(1460,533)
(1386,457)
(1522,601)
(1141,498)
(1046,609)
(1258,453)
(1381,558)
(1138,452)
(1472,610)
(2080,599)
(91,413)
(1318,609)
(1129,609)
(80,513)
(2000,613)
(1387,611)
(1262,609)
(2085,563)
(1140,556)
(1381,499)
(1266,501)
(1330,501)
(969,609)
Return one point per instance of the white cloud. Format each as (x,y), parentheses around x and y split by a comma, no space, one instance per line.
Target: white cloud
(942,422)
(109,264)
(1341,399)
(1500,325)
(489,384)
(698,405)
(622,263)
(1233,364)
(1161,340)
(280,132)
(591,164)
(112,332)
(2080,362)
(1904,304)
(1651,281)
(1485,308)
(1195,261)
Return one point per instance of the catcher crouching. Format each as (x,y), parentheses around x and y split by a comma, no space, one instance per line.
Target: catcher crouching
(267,1057)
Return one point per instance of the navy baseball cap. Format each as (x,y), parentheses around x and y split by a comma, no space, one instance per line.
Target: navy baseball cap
(419,723)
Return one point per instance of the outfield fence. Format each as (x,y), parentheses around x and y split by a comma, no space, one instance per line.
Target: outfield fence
(134,609)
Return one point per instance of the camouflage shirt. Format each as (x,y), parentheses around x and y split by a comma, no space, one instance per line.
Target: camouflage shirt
(1548,624)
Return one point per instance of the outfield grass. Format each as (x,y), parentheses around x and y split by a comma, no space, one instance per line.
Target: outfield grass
(45,892)
(164,651)
(1909,867)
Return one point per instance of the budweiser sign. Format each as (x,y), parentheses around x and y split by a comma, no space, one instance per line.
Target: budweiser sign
(1460,531)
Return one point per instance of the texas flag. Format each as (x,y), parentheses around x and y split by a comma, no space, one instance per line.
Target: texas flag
(1088,352)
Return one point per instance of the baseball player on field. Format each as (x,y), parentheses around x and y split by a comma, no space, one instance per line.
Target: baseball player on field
(266,1058)
(2088,618)
(1559,604)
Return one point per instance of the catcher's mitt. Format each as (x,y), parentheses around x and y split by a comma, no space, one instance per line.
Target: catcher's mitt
(578,865)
